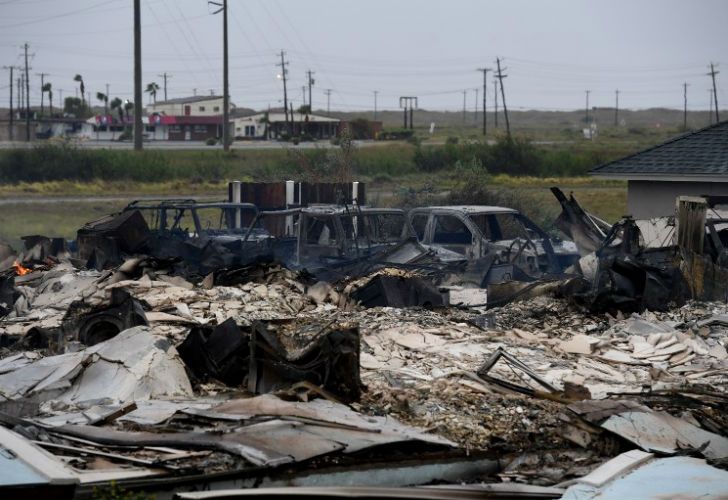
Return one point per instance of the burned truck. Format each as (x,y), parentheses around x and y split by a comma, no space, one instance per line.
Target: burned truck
(496,244)
(330,240)
(200,236)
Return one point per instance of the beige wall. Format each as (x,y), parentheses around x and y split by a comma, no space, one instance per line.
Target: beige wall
(176,109)
(648,199)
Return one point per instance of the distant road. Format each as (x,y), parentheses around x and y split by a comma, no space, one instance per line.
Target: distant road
(192,145)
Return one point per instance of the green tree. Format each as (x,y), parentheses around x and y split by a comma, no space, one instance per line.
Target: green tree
(74,106)
(117,104)
(152,89)
(128,106)
(105,99)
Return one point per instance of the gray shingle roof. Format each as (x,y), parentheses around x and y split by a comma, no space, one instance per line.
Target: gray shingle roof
(701,153)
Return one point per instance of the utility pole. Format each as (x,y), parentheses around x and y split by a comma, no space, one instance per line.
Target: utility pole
(328,100)
(303,94)
(712,74)
(408,102)
(495,93)
(616,108)
(10,123)
(501,76)
(283,76)
(475,105)
(465,100)
(311,81)
(137,76)
(485,99)
(19,104)
(164,76)
(586,109)
(106,104)
(42,93)
(60,97)
(27,96)
(225,80)
(375,104)
(710,106)
(685,106)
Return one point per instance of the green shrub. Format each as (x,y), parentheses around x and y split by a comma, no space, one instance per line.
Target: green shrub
(211,141)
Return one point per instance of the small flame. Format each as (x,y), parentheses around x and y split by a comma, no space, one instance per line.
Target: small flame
(19,269)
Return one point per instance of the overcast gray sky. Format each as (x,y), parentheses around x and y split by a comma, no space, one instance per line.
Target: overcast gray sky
(553,50)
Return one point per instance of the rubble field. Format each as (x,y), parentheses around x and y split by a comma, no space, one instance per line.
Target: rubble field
(147,376)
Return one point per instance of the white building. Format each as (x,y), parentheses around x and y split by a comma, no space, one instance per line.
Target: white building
(272,125)
(189,106)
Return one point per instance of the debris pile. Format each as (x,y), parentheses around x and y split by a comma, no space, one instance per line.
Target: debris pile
(165,379)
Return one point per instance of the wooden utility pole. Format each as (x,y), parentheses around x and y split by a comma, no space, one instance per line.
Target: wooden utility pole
(586,108)
(501,76)
(42,93)
(485,99)
(225,80)
(375,104)
(311,81)
(283,76)
(685,106)
(164,77)
(495,94)
(27,96)
(475,105)
(710,106)
(616,108)
(408,103)
(138,129)
(10,123)
(712,74)
(328,100)
(465,102)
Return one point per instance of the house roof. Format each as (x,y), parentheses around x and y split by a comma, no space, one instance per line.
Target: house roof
(187,100)
(280,117)
(701,154)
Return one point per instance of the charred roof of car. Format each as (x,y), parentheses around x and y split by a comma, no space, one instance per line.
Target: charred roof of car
(468,209)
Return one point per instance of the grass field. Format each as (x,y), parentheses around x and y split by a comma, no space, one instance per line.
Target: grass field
(56,216)
(58,206)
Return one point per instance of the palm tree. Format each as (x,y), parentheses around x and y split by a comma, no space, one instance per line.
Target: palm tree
(48,88)
(152,91)
(128,105)
(105,99)
(82,88)
(117,104)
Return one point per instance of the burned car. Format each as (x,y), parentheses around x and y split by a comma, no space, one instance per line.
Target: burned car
(203,236)
(499,244)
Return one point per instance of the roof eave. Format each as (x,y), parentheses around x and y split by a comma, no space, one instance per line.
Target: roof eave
(661,177)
